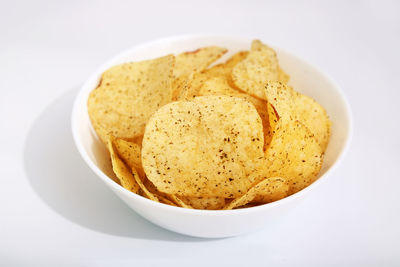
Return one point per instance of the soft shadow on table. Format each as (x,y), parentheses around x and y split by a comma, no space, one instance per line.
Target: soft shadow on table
(64,182)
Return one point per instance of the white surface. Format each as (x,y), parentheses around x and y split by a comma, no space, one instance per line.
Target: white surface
(215,224)
(54,210)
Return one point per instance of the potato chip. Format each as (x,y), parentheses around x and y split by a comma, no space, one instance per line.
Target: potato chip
(225,69)
(205,203)
(144,191)
(292,105)
(268,190)
(314,116)
(294,154)
(123,173)
(203,148)
(129,177)
(281,97)
(188,86)
(259,67)
(167,201)
(128,94)
(219,86)
(197,60)
(163,197)
(130,153)
(180,203)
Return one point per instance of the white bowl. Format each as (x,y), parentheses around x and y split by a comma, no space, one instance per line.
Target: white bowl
(305,78)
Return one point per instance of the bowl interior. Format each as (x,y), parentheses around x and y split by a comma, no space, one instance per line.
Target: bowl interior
(304,77)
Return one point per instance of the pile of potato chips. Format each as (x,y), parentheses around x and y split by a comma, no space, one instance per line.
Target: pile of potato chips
(228,136)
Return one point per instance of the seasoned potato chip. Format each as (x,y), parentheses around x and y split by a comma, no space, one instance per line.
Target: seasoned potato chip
(144,191)
(235,59)
(205,203)
(198,60)
(259,67)
(180,203)
(225,69)
(281,97)
(130,154)
(292,105)
(294,154)
(314,116)
(129,94)
(163,197)
(188,86)
(188,65)
(268,190)
(219,86)
(123,173)
(204,148)
(167,201)
(128,176)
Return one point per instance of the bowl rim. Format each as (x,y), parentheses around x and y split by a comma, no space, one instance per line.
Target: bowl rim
(75,126)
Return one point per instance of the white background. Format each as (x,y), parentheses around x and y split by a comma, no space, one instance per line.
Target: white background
(55,212)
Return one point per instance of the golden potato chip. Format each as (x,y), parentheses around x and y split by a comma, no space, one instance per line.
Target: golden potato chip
(314,116)
(292,105)
(144,191)
(225,69)
(235,59)
(180,203)
(293,154)
(219,86)
(203,148)
(128,94)
(129,177)
(198,60)
(188,66)
(277,190)
(123,173)
(205,203)
(188,86)
(163,197)
(268,190)
(167,201)
(259,67)
(281,97)
(130,153)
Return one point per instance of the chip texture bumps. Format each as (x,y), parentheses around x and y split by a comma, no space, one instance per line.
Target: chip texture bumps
(207,147)
(259,67)
(128,94)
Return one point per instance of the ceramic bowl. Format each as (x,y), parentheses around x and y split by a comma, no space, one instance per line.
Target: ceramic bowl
(305,78)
